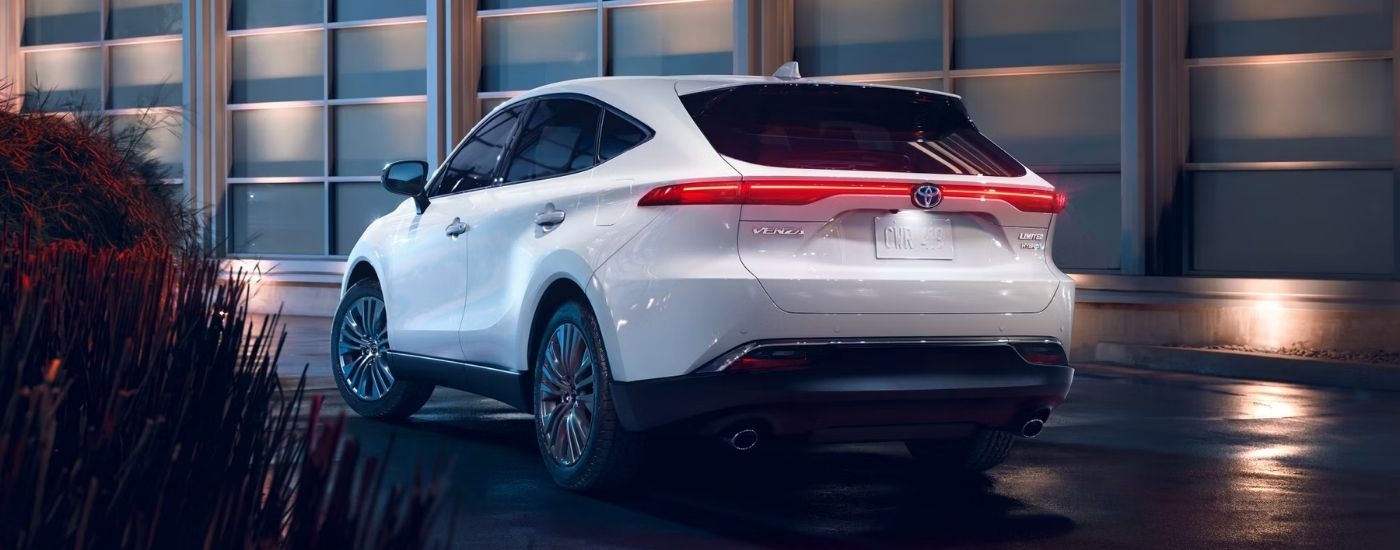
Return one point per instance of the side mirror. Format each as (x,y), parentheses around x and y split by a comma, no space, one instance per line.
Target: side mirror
(406,177)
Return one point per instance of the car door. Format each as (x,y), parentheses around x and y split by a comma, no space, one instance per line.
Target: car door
(532,215)
(429,258)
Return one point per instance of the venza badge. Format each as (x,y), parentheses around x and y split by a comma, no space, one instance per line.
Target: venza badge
(927,195)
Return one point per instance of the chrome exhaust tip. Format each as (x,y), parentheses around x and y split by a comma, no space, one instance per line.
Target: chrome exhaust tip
(1032,428)
(742,440)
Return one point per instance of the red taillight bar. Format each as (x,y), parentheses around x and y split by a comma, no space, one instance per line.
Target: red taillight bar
(797,192)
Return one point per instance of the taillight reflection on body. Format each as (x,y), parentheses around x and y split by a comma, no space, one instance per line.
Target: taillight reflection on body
(797,192)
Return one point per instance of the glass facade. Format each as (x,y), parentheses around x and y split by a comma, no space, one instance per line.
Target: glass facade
(299,103)
(321,95)
(1290,164)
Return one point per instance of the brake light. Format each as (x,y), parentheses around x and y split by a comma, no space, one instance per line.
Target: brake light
(695,192)
(797,192)
(1025,200)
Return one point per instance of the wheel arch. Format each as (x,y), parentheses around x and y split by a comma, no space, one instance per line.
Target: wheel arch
(557,292)
(359,271)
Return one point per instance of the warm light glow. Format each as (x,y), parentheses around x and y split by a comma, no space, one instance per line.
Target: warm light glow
(1270,452)
(1269,324)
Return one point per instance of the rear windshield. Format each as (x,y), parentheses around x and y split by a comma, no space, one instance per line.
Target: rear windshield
(839,127)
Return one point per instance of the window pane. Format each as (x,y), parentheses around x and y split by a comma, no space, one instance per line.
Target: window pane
(59,21)
(381,61)
(560,137)
(693,38)
(356,206)
(278,142)
(619,135)
(1254,27)
(146,75)
(65,80)
(474,166)
(253,14)
(505,4)
(1012,33)
(132,18)
(885,36)
(515,58)
(1282,222)
(163,135)
(278,218)
(369,136)
(490,104)
(353,10)
(1087,232)
(1060,120)
(277,67)
(1305,111)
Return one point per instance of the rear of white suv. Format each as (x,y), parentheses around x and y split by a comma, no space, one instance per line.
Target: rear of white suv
(756,259)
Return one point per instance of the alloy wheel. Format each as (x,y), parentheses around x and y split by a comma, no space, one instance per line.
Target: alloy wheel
(568,396)
(363,349)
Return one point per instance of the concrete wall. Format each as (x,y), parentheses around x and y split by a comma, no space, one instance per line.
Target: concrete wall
(1265,325)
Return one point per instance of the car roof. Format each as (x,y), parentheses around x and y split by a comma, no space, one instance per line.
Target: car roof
(628,92)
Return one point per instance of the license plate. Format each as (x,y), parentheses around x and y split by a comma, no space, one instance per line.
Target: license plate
(913,236)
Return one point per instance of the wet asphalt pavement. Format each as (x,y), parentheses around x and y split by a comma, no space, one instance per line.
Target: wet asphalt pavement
(1134,459)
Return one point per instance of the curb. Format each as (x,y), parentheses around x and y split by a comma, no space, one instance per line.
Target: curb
(1257,366)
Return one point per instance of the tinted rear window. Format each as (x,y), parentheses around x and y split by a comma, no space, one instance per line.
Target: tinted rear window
(836,127)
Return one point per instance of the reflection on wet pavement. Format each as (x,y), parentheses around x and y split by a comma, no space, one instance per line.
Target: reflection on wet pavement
(1134,459)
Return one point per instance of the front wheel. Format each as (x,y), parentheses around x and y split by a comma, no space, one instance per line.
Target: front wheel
(360,358)
(583,444)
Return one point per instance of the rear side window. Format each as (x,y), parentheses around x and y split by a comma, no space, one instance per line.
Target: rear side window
(618,135)
(560,137)
(836,127)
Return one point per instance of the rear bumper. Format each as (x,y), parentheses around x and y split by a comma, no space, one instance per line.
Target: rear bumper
(952,391)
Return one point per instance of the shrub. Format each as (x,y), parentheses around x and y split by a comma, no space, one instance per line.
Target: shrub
(142,409)
(86,178)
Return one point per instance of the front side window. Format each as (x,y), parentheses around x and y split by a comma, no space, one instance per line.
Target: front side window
(561,137)
(475,163)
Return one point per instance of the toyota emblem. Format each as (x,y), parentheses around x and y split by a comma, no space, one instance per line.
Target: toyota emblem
(927,195)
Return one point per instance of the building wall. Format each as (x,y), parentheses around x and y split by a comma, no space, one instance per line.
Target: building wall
(1238,139)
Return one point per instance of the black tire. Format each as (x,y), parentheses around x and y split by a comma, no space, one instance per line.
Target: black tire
(608,455)
(402,397)
(979,453)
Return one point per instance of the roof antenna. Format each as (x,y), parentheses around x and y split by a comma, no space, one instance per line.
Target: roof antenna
(787,72)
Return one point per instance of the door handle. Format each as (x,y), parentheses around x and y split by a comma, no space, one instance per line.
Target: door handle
(456,227)
(550,217)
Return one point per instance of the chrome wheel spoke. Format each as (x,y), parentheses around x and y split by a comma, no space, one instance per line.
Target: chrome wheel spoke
(584,381)
(384,368)
(575,351)
(556,431)
(576,435)
(347,347)
(352,335)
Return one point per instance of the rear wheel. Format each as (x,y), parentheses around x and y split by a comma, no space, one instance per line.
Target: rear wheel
(583,444)
(978,453)
(360,358)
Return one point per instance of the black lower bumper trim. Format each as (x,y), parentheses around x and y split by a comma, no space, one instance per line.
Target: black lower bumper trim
(989,386)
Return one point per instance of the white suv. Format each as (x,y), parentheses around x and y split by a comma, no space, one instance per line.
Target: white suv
(740,257)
